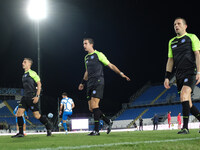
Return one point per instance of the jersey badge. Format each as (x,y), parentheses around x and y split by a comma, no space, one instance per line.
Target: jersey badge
(186,80)
(92,57)
(94,91)
(183,40)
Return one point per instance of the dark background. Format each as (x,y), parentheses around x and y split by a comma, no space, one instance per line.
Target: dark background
(133,34)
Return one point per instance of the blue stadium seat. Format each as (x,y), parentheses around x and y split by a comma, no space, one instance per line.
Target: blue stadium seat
(148,96)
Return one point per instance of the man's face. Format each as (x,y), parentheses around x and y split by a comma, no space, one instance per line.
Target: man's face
(63,96)
(87,46)
(179,26)
(26,64)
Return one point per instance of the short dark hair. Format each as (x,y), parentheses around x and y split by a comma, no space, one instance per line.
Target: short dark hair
(29,59)
(64,94)
(184,21)
(91,41)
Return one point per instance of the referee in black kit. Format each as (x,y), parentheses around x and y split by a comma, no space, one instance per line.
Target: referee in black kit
(32,88)
(183,55)
(94,62)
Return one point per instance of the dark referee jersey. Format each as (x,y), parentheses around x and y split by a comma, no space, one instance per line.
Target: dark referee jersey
(181,49)
(29,80)
(94,63)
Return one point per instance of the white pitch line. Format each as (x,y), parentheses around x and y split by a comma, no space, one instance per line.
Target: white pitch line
(116,144)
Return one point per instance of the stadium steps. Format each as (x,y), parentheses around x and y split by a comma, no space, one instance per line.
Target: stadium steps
(9,107)
(11,110)
(172,81)
(132,122)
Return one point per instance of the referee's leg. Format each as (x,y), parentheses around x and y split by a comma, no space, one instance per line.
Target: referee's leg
(20,122)
(98,114)
(95,108)
(44,121)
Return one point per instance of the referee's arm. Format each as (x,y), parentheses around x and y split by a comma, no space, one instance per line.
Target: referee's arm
(36,98)
(197,58)
(169,68)
(85,78)
(116,70)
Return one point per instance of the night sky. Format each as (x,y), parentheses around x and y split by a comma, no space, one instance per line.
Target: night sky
(133,34)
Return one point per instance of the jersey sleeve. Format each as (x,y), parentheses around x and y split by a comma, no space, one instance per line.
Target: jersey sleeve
(85,59)
(34,75)
(195,43)
(170,55)
(103,58)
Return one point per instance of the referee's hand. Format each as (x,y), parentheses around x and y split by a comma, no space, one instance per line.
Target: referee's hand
(80,87)
(198,79)
(127,78)
(166,83)
(35,99)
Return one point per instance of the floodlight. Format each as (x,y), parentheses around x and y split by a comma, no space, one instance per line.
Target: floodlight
(37,9)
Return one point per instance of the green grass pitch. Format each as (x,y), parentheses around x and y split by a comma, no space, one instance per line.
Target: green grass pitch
(132,140)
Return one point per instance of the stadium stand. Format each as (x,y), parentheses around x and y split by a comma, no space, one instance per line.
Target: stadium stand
(150,101)
(7,116)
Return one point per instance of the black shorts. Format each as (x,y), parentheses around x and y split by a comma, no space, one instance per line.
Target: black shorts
(95,91)
(27,103)
(189,80)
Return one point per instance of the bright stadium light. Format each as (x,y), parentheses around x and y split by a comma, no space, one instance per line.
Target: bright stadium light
(37,9)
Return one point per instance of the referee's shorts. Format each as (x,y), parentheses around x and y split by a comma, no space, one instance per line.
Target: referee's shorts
(188,80)
(27,103)
(95,91)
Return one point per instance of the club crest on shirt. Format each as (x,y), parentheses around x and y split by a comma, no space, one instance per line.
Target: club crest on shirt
(94,91)
(92,57)
(183,40)
(186,80)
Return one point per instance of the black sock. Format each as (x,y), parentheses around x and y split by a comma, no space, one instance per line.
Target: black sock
(105,119)
(20,122)
(194,111)
(96,119)
(45,121)
(186,112)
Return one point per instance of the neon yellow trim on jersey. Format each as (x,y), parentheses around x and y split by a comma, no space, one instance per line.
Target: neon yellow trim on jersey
(170,55)
(194,39)
(195,42)
(102,58)
(33,75)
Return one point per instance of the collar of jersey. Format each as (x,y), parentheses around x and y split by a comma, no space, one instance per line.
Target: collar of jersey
(181,36)
(28,70)
(92,53)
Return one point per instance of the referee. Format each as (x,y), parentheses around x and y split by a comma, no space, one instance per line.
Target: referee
(94,62)
(183,55)
(32,87)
